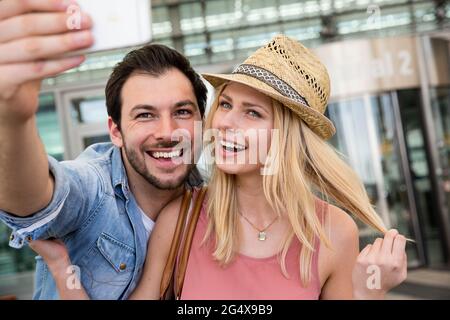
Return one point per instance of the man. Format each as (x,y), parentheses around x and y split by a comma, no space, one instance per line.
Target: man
(101,205)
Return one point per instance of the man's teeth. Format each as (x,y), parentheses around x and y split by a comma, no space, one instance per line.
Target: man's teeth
(166,155)
(232,146)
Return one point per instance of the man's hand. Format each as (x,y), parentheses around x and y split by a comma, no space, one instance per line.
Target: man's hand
(33,37)
(380,267)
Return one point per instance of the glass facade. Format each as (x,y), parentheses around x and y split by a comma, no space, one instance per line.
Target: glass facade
(414,127)
(216,31)
(441,113)
(49,128)
(89,110)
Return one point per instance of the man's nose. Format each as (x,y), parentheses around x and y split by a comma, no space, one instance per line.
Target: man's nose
(166,128)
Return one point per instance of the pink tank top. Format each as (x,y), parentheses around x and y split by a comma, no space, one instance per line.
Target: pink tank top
(247,278)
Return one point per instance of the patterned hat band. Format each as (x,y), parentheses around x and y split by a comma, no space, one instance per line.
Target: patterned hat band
(271,80)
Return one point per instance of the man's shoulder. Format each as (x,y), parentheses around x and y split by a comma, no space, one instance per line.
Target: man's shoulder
(94,163)
(99,152)
(97,155)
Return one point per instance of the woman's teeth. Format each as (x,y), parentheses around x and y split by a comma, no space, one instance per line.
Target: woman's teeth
(232,147)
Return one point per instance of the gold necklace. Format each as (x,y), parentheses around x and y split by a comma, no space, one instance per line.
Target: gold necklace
(262,235)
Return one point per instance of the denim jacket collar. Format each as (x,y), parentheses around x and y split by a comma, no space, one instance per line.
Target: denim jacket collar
(119,176)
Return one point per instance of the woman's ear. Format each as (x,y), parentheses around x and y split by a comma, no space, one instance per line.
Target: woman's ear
(114,133)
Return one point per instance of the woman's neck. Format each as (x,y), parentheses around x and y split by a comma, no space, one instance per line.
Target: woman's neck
(252,202)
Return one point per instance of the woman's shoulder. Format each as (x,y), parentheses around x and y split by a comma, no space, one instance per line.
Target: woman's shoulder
(169,214)
(339,226)
(342,233)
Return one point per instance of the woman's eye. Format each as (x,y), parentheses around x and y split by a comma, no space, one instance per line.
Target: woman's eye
(225,105)
(254,113)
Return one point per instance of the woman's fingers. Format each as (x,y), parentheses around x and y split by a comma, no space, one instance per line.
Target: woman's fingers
(399,246)
(54,253)
(388,241)
(373,255)
(24,72)
(35,24)
(39,246)
(365,251)
(405,264)
(10,8)
(389,257)
(398,252)
(44,47)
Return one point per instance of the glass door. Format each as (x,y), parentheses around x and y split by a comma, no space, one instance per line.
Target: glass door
(369,137)
(434,51)
(440,103)
(86,119)
(441,112)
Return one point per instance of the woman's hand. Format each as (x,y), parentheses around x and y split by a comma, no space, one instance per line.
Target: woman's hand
(56,256)
(380,267)
(54,253)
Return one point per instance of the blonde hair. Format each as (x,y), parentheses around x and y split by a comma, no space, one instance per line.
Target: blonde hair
(305,165)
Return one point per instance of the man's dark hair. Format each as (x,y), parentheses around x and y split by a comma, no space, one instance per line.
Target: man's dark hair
(155,60)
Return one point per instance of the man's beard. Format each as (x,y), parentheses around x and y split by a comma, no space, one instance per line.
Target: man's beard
(141,169)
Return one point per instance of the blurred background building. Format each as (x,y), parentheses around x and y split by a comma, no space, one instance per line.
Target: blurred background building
(389,62)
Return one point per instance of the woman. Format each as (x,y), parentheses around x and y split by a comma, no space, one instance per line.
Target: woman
(263,232)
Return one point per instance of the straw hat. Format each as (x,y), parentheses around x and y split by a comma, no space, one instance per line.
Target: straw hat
(288,72)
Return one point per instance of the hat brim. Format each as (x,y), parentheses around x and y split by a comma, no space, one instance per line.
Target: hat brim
(320,124)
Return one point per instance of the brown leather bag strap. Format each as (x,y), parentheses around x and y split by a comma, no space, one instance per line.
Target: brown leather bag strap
(168,272)
(187,243)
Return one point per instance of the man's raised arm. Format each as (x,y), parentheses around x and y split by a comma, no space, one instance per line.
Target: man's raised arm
(33,37)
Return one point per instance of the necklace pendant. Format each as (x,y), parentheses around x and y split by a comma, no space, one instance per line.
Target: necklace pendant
(262,236)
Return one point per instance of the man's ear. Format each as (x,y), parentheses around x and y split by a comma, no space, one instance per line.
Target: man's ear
(114,133)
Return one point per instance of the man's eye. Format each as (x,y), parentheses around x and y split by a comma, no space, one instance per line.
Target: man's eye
(225,105)
(183,112)
(145,115)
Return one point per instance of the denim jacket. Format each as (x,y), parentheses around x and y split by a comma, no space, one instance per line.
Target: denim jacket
(94,213)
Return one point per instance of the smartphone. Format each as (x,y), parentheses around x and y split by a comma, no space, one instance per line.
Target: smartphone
(116,23)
